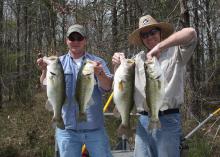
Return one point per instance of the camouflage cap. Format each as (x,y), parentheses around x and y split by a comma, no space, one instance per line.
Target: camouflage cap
(76,28)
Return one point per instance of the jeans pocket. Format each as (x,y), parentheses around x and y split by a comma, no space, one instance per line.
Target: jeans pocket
(171,121)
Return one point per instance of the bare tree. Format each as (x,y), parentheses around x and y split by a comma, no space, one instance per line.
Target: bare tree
(1,45)
(114,26)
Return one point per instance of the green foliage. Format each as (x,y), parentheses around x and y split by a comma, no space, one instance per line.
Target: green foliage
(10,24)
(46,151)
(25,130)
(9,151)
(24,91)
(199,147)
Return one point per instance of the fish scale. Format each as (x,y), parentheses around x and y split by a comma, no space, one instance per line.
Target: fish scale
(155,90)
(84,88)
(123,93)
(55,88)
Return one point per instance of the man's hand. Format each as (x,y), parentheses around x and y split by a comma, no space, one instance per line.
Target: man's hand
(117,57)
(42,65)
(104,81)
(154,52)
(98,69)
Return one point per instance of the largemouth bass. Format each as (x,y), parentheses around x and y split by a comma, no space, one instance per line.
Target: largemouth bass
(55,88)
(123,93)
(84,88)
(155,90)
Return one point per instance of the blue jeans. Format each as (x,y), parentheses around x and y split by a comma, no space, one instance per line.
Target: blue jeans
(70,142)
(163,142)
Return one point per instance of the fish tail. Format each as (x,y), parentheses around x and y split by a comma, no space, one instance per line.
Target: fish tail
(58,122)
(124,130)
(154,124)
(116,113)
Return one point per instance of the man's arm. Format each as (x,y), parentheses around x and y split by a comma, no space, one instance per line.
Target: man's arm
(43,76)
(181,37)
(105,82)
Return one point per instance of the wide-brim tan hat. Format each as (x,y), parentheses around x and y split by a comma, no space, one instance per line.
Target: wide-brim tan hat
(146,23)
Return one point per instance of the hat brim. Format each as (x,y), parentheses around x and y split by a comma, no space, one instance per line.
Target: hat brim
(166,30)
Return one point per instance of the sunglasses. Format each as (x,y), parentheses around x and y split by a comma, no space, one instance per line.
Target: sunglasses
(145,35)
(75,37)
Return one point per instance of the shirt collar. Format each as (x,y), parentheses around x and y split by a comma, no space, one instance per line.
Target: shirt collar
(86,55)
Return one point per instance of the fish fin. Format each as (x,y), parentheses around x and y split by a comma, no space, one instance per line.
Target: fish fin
(154,124)
(58,123)
(134,109)
(113,83)
(120,86)
(124,130)
(116,113)
(81,117)
(49,106)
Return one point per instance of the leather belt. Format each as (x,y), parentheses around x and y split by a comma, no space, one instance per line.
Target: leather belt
(161,113)
(84,130)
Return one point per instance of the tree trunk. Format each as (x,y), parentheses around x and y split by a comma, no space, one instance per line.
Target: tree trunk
(186,23)
(1,47)
(199,57)
(125,27)
(209,35)
(114,26)
(25,9)
(18,28)
(193,102)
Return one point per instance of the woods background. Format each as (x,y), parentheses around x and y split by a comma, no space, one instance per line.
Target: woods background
(29,27)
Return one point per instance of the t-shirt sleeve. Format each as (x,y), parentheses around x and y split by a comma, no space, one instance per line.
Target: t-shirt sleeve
(185,51)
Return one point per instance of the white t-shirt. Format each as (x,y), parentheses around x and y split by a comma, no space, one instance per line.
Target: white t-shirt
(78,62)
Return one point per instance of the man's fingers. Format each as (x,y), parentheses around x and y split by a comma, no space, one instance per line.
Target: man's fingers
(149,56)
(117,57)
(41,64)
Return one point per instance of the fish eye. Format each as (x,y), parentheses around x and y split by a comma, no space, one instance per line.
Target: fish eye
(158,77)
(53,73)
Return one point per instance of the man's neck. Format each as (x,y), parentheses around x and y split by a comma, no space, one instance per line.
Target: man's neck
(77,55)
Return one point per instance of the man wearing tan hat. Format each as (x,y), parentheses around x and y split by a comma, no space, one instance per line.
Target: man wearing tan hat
(91,131)
(173,50)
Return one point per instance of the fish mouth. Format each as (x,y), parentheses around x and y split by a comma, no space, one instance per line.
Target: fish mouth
(87,72)
(50,59)
(130,62)
(150,61)
(89,61)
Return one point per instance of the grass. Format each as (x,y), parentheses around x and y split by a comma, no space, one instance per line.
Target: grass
(199,147)
(26,131)
(204,142)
